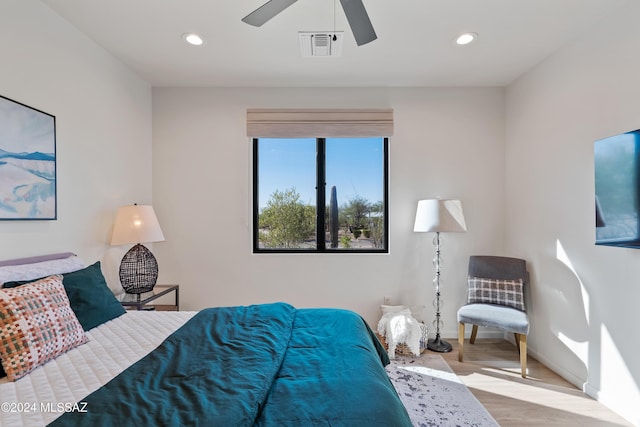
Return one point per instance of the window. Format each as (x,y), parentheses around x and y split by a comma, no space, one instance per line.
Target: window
(348,212)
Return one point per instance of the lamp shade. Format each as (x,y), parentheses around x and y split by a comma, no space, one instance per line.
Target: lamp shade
(136,224)
(439,215)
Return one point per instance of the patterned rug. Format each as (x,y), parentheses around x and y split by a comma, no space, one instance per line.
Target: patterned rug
(433,395)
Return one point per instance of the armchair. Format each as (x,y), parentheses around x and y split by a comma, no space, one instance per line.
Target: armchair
(496,300)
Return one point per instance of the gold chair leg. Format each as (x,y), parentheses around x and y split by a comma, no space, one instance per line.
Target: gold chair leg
(474,332)
(522,339)
(460,342)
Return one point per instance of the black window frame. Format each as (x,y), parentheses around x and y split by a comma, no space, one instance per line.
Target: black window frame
(321,246)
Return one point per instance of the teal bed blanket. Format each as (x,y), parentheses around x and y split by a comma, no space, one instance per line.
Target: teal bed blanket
(262,365)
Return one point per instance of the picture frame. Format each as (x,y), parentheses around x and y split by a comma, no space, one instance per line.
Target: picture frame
(28,184)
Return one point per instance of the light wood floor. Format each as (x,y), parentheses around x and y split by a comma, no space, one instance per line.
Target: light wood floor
(491,371)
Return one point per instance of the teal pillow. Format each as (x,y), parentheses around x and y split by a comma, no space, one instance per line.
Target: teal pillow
(91,299)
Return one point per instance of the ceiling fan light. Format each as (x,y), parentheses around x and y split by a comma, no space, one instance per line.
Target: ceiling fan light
(193,39)
(466,38)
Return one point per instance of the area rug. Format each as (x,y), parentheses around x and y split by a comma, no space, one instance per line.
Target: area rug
(434,395)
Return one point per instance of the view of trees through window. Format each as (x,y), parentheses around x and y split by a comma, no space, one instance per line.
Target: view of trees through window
(352,197)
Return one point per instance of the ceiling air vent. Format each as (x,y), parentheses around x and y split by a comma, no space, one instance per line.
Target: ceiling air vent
(324,44)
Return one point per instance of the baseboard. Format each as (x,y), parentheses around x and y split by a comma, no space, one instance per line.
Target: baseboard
(626,412)
(488,333)
(567,375)
(630,414)
(482,333)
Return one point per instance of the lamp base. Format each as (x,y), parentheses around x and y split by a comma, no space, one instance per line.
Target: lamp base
(439,345)
(138,270)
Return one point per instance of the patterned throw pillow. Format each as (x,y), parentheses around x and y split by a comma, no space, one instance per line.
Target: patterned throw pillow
(36,325)
(509,293)
(91,300)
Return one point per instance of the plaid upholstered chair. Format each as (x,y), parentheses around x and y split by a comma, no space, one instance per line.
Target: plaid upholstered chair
(496,300)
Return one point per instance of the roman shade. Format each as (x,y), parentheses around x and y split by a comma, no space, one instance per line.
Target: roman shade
(328,123)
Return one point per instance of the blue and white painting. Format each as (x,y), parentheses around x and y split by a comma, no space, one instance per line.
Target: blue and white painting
(27,162)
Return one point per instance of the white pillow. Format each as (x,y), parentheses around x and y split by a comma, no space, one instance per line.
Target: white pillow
(38,270)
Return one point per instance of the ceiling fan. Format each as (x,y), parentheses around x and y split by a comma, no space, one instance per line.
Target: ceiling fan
(354,10)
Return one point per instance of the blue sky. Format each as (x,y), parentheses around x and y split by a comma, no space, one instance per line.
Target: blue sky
(354,166)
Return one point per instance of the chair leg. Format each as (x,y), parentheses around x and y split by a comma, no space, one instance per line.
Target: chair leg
(474,332)
(517,340)
(522,340)
(460,342)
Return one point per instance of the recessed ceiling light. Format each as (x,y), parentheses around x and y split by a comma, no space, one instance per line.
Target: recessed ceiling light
(193,39)
(466,38)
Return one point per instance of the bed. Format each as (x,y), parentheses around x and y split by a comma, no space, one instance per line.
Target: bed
(258,365)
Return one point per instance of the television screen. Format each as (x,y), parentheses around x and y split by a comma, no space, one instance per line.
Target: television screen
(617,185)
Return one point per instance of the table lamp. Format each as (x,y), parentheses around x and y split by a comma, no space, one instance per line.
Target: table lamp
(139,268)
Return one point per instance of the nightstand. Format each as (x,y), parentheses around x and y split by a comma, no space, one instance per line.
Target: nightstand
(140,301)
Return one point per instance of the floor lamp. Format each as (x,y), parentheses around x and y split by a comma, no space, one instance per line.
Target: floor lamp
(437,215)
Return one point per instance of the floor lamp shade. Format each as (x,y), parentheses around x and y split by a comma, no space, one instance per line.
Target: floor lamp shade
(434,215)
(437,215)
(137,224)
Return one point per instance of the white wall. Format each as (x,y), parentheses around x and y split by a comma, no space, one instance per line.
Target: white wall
(103,124)
(447,142)
(585,298)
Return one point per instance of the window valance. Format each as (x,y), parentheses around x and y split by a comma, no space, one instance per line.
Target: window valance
(328,123)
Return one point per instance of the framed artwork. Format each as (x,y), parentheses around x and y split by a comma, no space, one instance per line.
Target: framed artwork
(27,162)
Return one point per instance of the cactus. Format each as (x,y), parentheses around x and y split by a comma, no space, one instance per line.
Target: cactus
(333,222)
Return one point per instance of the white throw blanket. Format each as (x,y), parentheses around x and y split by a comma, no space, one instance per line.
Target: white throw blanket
(397,326)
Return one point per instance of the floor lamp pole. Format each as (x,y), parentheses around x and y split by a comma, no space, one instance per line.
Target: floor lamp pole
(438,344)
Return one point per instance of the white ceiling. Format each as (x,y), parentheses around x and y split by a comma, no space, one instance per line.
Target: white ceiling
(415,45)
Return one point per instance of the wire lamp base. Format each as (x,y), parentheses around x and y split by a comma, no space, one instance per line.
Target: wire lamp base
(138,270)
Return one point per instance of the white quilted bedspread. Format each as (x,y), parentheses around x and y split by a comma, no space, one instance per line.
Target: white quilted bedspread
(47,392)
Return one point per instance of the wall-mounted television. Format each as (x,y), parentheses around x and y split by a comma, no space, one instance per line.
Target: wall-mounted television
(617,185)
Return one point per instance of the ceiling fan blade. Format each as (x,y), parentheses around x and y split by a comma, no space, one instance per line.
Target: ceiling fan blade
(267,11)
(359,21)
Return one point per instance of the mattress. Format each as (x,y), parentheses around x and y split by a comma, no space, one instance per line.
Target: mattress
(58,386)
